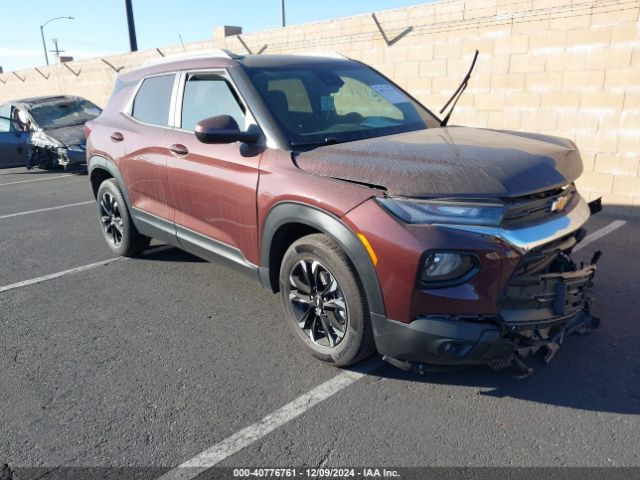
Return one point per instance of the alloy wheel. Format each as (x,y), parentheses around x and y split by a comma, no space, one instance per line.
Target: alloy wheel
(318,303)
(111,219)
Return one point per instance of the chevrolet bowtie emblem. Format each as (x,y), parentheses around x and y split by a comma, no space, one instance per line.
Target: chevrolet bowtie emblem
(559,203)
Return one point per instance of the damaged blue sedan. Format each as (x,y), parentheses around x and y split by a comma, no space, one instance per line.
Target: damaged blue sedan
(45,132)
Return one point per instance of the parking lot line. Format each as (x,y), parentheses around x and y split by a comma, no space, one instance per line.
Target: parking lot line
(82,268)
(245,437)
(39,179)
(249,435)
(598,234)
(29,212)
(51,276)
(256,431)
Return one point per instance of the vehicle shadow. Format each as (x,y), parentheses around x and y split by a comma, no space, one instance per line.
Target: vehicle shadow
(597,372)
(35,171)
(572,379)
(170,254)
(77,169)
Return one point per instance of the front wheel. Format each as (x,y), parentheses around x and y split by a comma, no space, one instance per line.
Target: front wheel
(324,301)
(117,227)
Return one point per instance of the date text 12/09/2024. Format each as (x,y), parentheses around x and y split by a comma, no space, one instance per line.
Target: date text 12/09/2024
(316,473)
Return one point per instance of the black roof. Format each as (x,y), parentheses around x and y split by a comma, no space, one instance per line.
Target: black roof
(287,61)
(223,59)
(31,101)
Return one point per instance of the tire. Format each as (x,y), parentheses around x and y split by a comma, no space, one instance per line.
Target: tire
(6,473)
(45,162)
(313,304)
(116,225)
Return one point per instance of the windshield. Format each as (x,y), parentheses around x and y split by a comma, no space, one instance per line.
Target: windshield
(66,113)
(334,103)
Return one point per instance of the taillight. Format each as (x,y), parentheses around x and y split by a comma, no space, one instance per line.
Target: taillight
(87,130)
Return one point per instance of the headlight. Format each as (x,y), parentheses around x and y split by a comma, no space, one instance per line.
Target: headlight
(446,267)
(439,211)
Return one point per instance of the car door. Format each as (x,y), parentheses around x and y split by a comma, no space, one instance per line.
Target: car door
(142,142)
(213,185)
(14,146)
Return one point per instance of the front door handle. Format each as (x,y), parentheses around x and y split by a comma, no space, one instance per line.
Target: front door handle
(178,149)
(117,137)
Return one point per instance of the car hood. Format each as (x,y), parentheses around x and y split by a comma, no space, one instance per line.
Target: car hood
(451,162)
(68,135)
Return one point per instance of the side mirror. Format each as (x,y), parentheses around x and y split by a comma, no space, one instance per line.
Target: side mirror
(223,129)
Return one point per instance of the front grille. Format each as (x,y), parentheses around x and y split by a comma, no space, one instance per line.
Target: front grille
(547,285)
(539,259)
(540,206)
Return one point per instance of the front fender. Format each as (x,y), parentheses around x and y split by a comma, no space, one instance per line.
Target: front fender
(97,162)
(299,213)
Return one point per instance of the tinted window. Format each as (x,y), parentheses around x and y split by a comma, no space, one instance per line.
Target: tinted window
(153,100)
(293,89)
(5,115)
(336,102)
(208,96)
(349,100)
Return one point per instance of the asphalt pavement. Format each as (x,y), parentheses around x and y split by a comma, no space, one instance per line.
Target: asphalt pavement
(148,362)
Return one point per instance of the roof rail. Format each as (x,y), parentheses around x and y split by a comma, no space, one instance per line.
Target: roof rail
(195,54)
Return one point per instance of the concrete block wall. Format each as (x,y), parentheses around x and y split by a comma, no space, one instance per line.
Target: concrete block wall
(93,79)
(564,67)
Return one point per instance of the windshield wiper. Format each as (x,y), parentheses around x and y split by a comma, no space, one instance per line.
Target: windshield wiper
(315,143)
(458,93)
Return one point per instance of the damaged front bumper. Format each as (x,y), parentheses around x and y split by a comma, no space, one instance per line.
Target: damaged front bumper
(547,299)
(449,341)
(49,152)
(429,344)
(72,155)
(560,300)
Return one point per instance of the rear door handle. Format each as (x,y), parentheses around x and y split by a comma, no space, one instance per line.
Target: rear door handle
(178,149)
(117,137)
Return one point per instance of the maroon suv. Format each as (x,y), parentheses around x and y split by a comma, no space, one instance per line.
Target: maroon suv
(380,227)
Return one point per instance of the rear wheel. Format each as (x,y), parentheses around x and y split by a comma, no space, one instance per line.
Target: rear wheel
(115,221)
(324,301)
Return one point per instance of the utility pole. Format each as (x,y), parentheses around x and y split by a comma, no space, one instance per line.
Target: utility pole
(132,26)
(282,13)
(44,44)
(57,50)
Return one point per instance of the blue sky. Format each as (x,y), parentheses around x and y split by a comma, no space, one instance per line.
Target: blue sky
(100,27)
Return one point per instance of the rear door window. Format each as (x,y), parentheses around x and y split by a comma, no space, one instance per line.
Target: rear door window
(209,96)
(153,100)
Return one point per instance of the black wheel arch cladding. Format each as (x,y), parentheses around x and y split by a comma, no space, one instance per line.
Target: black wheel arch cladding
(96,166)
(287,213)
(97,163)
